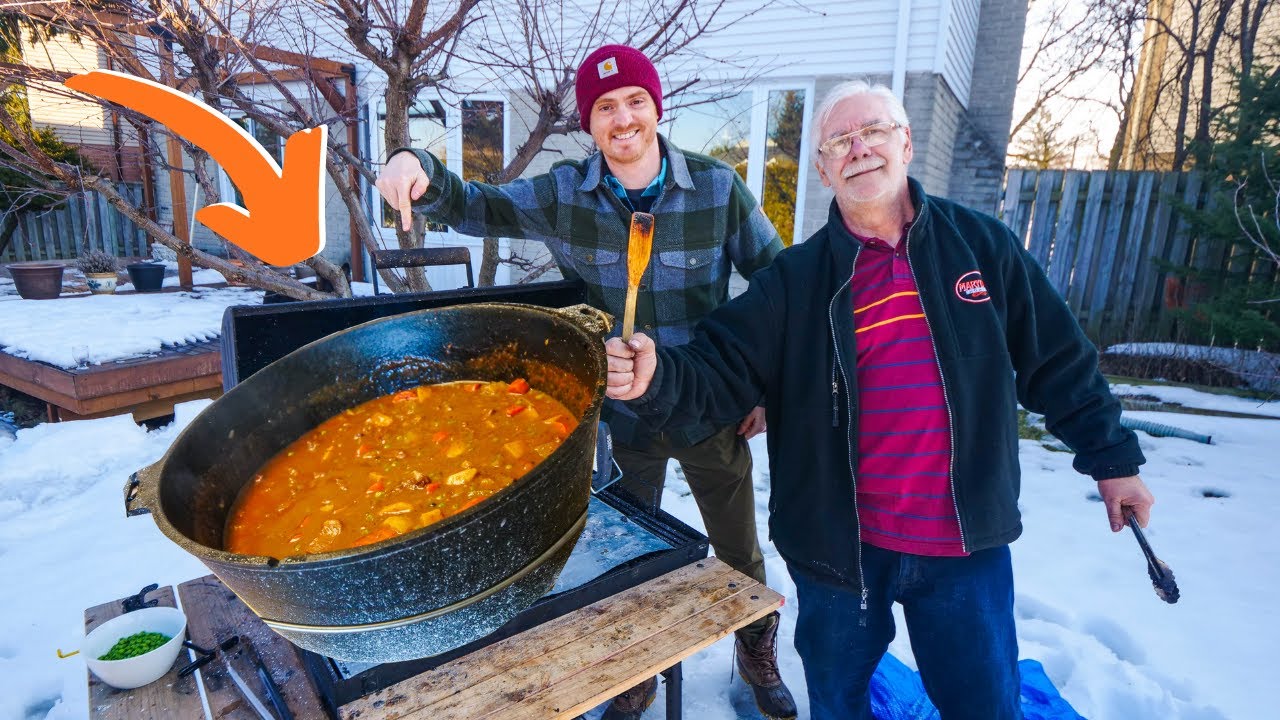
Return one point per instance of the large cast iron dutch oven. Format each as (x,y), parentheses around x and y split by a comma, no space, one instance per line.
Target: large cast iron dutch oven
(424,592)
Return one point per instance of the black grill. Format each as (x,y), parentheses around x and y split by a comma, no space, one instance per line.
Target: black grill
(255,336)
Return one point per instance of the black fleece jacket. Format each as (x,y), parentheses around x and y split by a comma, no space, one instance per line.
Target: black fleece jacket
(1002,336)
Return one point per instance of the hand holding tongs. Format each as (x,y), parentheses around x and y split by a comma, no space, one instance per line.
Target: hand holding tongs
(1161,576)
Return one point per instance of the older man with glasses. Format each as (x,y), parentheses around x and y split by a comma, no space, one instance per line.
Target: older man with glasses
(893,348)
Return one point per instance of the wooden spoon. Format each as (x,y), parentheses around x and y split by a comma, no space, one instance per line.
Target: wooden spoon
(639,247)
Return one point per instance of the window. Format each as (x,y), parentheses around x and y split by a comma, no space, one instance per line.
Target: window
(760,132)
(782,160)
(715,126)
(271,142)
(468,134)
(482,140)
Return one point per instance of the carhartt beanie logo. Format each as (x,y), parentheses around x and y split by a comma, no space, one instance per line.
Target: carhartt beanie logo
(612,67)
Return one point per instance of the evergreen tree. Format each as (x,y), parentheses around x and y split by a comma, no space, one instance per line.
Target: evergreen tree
(20,191)
(1241,305)
(1039,146)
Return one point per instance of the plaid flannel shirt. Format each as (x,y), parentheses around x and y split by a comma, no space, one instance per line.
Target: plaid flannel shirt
(705,219)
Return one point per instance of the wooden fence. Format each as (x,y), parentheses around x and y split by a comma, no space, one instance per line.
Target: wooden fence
(1101,236)
(61,233)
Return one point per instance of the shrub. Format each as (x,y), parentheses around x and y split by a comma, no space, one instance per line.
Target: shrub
(96,261)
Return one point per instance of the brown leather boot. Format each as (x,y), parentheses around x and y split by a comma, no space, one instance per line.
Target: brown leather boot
(632,703)
(756,657)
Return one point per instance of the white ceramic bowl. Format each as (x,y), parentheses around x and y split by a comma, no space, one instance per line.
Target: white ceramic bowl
(135,671)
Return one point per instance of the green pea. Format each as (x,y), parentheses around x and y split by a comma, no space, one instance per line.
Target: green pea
(136,644)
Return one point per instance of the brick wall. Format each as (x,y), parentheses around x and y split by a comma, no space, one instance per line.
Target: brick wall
(982,137)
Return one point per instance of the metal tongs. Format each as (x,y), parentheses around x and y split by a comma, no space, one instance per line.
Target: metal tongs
(1161,576)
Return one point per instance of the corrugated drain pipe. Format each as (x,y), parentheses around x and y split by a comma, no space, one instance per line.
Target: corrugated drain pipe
(1160,430)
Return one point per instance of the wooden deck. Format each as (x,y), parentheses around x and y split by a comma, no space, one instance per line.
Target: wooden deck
(556,670)
(146,387)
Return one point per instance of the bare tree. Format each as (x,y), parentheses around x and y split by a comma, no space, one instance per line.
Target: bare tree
(1078,49)
(138,37)
(1041,146)
(261,60)
(415,55)
(1199,50)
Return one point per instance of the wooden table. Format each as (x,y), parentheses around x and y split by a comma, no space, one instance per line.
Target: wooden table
(147,387)
(559,669)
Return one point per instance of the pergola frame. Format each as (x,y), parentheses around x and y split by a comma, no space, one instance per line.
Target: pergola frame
(335,82)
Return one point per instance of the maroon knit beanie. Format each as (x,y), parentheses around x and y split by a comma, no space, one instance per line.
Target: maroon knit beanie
(612,67)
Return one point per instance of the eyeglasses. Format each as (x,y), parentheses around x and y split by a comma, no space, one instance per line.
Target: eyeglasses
(871,136)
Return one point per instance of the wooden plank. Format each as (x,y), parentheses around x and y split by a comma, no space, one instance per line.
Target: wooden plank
(145,399)
(54,379)
(215,614)
(75,220)
(654,655)
(1209,254)
(1012,198)
(1107,254)
(124,376)
(443,683)
(147,410)
(1148,292)
(1088,241)
(1179,251)
(170,696)
(94,219)
(571,664)
(100,390)
(1134,244)
(38,249)
(22,240)
(137,241)
(117,235)
(1067,236)
(61,234)
(1040,234)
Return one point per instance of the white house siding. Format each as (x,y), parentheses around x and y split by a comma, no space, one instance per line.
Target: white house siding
(955,62)
(821,42)
(75,121)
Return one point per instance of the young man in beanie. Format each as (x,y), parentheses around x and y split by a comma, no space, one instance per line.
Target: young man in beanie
(705,221)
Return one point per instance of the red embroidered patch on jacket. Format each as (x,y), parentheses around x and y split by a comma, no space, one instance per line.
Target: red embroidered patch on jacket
(971,288)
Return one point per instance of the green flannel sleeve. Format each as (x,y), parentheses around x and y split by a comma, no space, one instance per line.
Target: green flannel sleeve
(525,208)
(751,240)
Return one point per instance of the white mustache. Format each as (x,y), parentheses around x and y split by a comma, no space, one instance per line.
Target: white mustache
(862,166)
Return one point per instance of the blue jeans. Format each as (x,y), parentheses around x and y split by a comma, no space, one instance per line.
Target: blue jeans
(959,613)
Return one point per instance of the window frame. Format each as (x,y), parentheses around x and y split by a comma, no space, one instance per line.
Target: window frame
(758,136)
(453,162)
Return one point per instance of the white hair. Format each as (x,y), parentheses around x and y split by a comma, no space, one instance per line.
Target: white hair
(854,88)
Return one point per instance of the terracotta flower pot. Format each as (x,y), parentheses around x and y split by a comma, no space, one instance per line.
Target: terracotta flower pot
(37,280)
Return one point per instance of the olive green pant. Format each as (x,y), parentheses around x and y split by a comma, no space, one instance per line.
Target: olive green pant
(718,470)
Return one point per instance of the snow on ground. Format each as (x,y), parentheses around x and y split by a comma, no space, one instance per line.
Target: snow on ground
(101,328)
(1194,398)
(1085,606)
(81,329)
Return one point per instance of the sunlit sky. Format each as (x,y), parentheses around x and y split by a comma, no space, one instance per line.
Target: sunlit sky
(1085,117)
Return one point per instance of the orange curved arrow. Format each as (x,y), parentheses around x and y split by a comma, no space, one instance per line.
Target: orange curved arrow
(282,222)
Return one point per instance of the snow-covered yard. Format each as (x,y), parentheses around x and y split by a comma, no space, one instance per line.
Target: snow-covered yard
(1085,606)
(1086,609)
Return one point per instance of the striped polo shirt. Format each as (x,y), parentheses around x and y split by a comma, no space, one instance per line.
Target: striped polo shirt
(904,439)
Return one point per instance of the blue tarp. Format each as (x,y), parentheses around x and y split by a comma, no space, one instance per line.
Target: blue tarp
(898,694)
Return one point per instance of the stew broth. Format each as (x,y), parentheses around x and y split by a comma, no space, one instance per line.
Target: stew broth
(395,464)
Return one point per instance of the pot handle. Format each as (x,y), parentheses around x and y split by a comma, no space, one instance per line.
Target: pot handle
(593,320)
(141,492)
